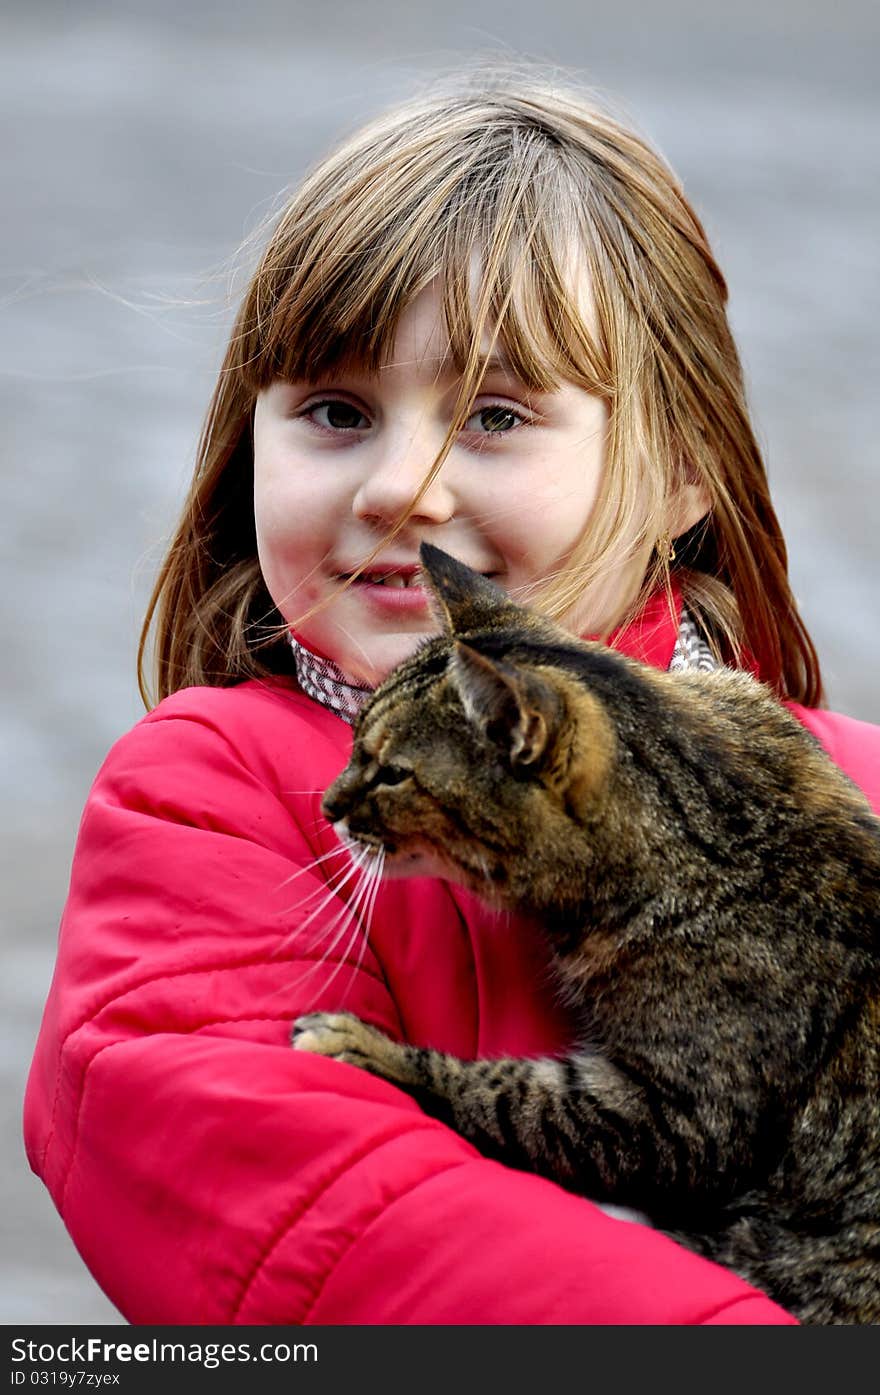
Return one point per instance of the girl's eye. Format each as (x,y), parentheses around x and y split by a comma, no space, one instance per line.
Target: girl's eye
(337,415)
(494,421)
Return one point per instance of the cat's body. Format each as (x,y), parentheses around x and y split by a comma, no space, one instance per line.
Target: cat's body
(710,886)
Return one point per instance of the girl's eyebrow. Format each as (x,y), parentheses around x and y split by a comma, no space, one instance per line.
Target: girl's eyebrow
(498,364)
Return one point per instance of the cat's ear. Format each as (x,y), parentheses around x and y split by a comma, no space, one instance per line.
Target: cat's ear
(516,708)
(462,600)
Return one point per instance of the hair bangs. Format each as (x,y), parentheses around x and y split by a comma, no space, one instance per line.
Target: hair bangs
(494,219)
(353,251)
(321,324)
(516,289)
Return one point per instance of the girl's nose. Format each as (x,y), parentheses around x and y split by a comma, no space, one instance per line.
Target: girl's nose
(395,477)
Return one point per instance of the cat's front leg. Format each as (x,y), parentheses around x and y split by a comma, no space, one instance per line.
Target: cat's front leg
(498,1104)
(344,1037)
(579,1121)
(446,1087)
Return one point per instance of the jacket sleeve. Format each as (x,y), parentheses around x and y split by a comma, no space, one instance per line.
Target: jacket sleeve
(851,744)
(207,1172)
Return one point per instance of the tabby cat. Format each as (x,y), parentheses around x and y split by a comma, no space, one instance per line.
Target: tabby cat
(710,886)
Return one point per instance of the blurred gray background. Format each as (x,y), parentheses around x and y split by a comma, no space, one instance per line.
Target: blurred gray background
(144,141)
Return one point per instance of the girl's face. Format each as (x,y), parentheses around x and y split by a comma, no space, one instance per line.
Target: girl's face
(337,461)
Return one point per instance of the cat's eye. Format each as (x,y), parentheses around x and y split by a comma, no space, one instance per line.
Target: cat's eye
(391,775)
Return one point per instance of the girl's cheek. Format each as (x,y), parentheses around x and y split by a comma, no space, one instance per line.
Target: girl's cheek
(292,590)
(285,512)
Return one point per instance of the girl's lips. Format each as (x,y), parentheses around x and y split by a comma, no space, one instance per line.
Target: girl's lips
(409,599)
(390,589)
(405,573)
(401,574)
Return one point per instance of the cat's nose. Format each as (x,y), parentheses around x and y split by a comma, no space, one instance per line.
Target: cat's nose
(334,805)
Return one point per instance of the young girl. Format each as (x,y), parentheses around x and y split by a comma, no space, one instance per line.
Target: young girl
(490,320)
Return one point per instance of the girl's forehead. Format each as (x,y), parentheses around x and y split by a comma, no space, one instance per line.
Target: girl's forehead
(421,335)
(421,338)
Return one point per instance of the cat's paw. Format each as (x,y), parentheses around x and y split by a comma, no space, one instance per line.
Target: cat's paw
(344,1037)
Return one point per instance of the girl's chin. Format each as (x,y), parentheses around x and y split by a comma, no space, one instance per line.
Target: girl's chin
(368,666)
(383,661)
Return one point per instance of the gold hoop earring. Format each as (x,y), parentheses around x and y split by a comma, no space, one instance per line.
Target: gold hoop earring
(666,549)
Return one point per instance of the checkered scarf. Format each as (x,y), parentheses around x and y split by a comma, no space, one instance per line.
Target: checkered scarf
(326,683)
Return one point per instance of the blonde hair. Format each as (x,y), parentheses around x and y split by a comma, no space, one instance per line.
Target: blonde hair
(513,176)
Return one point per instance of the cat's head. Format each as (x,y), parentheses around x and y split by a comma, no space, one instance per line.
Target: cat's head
(479,750)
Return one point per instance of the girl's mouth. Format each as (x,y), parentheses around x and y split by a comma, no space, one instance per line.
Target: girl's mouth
(402,578)
(398,576)
(395,581)
(390,590)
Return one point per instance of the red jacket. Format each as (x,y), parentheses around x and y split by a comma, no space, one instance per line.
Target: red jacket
(210,1174)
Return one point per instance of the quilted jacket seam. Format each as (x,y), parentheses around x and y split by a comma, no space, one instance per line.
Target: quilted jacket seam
(151,980)
(108,1046)
(722,1307)
(402,1196)
(304,1206)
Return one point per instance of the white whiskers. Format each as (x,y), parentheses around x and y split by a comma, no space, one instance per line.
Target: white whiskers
(334,852)
(349,927)
(329,890)
(353,921)
(374,878)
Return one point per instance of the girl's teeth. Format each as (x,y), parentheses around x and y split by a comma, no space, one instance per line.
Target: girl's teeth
(394,580)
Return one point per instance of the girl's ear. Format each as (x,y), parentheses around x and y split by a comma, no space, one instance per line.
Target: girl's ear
(518,710)
(462,600)
(686,507)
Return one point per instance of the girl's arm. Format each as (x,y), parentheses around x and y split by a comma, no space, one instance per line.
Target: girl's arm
(210,1174)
